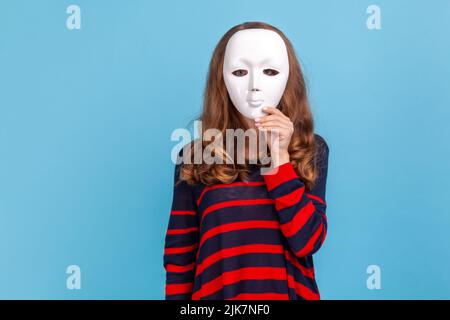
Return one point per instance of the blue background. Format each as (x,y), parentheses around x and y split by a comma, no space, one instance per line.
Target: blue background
(86,117)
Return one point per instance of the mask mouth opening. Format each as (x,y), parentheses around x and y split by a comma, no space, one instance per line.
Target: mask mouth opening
(255,103)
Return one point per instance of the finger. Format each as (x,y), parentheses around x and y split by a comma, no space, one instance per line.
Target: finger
(274,123)
(270,117)
(272,110)
(278,130)
(274,117)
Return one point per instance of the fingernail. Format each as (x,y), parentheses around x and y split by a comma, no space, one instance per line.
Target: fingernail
(257,119)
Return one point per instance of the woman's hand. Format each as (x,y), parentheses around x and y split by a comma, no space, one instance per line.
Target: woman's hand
(276,126)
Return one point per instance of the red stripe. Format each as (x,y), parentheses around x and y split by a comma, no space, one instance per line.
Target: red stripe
(230,277)
(180,269)
(310,244)
(236,251)
(298,221)
(291,282)
(180,249)
(302,290)
(312,196)
(279,175)
(289,199)
(182,212)
(231,203)
(250,224)
(179,288)
(261,296)
(182,231)
(233,184)
(308,272)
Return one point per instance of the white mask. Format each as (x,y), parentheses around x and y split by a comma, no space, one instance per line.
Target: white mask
(252,59)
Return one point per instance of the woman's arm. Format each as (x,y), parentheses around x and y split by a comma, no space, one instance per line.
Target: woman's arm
(181,242)
(301,214)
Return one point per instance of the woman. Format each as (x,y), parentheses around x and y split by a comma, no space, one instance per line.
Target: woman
(235,233)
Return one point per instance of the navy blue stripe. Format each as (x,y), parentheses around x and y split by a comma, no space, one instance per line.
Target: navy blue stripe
(214,196)
(301,238)
(249,286)
(237,214)
(301,278)
(181,240)
(179,277)
(180,259)
(241,261)
(238,238)
(179,296)
(183,221)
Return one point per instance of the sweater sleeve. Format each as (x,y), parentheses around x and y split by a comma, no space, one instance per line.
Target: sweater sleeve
(301,214)
(181,242)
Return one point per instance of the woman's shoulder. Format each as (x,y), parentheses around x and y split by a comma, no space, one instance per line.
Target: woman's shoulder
(322,149)
(321,142)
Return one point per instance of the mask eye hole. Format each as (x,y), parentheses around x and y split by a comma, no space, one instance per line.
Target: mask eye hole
(270,72)
(240,72)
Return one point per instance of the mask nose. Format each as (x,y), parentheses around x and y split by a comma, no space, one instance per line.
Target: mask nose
(254,84)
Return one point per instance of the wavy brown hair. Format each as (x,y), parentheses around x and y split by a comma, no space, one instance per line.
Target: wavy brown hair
(220,113)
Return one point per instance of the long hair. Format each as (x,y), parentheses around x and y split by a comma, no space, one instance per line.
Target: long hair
(220,113)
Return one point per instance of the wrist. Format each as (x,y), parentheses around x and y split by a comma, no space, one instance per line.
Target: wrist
(280,158)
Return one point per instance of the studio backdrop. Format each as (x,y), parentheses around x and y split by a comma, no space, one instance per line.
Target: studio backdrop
(91,92)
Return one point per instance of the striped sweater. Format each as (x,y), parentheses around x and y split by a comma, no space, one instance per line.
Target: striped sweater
(248,239)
